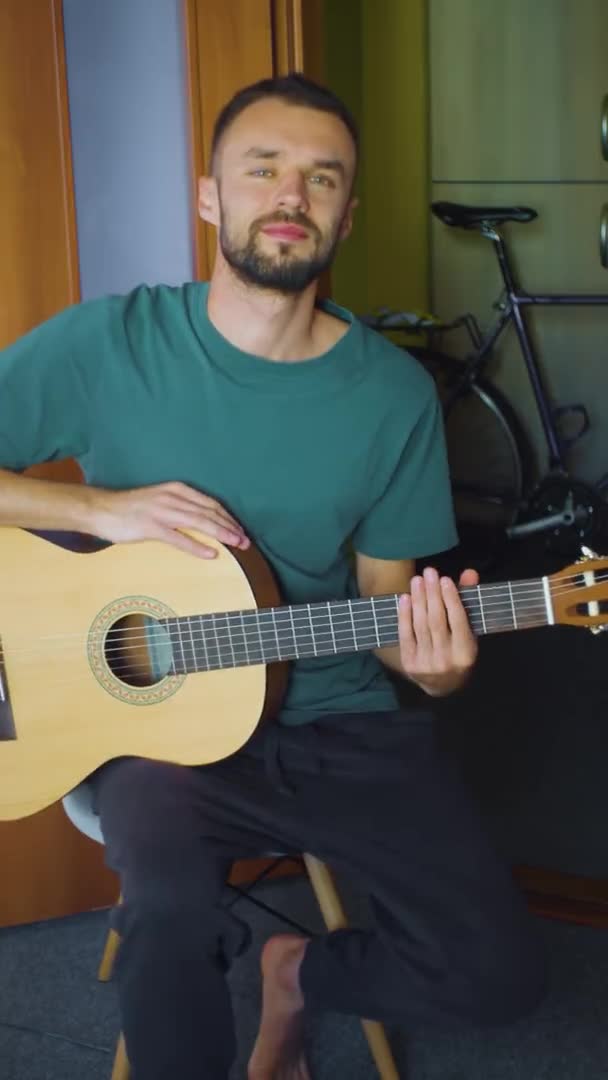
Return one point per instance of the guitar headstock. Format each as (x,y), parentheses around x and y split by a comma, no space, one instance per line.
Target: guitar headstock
(579,592)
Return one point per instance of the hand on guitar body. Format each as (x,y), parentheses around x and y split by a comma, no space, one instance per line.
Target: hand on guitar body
(159,512)
(437,647)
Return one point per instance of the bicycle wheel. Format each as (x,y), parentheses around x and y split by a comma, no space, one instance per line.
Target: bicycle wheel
(485,444)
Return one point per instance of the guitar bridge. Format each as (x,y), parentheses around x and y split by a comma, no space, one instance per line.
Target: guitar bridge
(7,720)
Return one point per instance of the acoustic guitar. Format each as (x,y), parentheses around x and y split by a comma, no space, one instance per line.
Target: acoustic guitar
(143,649)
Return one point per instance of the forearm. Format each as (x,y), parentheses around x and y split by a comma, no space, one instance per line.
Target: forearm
(433,685)
(29,503)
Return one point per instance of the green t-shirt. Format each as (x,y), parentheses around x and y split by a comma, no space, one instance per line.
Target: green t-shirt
(308,456)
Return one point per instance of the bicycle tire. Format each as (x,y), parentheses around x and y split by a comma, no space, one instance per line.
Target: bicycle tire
(487,449)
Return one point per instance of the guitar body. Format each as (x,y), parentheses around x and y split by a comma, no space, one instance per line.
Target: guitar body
(65,712)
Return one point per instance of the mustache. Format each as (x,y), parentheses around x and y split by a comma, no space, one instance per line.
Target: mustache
(282,217)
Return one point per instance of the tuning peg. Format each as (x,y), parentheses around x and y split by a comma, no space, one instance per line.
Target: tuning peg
(587,554)
(598,629)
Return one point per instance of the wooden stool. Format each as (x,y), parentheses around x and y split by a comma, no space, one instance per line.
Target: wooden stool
(323,885)
(79,808)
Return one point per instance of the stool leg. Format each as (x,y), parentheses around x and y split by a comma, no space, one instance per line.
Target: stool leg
(121,1070)
(109,954)
(335,918)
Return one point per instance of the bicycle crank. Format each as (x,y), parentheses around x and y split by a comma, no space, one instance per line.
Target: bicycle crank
(569,512)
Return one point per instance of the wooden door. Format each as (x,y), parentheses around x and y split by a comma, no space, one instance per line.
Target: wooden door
(228,47)
(517,89)
(48,868)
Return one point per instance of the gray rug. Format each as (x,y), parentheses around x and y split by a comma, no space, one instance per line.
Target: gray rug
(49,995)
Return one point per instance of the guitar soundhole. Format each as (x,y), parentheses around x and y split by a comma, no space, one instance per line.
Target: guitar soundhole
(137,649)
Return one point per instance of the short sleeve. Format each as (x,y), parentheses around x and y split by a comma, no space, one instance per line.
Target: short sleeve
(414,515)
(48,381)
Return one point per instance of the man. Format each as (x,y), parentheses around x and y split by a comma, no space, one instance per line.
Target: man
(248,411)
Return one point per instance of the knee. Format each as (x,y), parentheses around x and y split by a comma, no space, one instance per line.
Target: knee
(141,801)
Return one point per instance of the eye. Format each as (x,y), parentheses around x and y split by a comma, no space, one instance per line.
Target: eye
(261,172)
(322,180)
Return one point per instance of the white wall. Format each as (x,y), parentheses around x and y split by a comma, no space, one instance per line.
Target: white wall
(127,98)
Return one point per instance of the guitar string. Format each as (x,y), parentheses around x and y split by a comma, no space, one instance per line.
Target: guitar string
(305,649)
(518,590)
(488,611)
(371,643)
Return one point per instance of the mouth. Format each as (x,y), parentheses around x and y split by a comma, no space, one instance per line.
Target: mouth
(285,232)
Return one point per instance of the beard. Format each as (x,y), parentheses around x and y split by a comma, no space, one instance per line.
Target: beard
(283,272)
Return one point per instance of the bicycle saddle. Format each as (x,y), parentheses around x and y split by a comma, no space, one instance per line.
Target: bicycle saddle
(469,216)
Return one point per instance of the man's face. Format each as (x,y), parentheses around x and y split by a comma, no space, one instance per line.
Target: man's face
(281,194)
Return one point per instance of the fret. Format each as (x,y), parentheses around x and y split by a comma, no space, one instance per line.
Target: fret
(170,625)
(312,630)
(512,605)
(350,609)
(331,627)
(191,644)
(481,612)
(293,631)
(202,637)
(181,646)
(342,625)
(377,631)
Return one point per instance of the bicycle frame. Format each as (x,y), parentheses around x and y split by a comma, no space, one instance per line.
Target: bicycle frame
(515,301)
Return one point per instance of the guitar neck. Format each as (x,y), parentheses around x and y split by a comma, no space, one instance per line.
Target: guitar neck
(295,631)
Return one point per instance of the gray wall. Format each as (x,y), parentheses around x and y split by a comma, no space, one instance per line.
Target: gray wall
(127,97)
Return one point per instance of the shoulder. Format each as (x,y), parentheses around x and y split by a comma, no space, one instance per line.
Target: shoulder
(390,371)
(152,301)
(396,381)
(396,366)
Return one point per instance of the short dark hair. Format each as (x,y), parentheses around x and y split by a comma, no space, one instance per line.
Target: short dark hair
(295,89)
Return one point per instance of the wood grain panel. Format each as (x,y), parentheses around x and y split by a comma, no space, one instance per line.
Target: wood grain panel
(517,89)
(48,868)
(228,47)
(38,268)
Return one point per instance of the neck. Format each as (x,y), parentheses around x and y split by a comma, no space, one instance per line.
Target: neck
(265,635)
(259,321)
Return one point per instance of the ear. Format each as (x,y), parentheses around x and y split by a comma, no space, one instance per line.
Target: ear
(347,221)
(208,202)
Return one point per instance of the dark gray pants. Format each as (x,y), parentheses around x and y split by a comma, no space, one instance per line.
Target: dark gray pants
(452,941)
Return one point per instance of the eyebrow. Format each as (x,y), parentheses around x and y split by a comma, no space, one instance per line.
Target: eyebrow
(331,164)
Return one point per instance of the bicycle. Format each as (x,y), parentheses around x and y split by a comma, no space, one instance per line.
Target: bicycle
(489,454)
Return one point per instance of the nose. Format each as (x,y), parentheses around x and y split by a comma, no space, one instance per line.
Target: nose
(291,193)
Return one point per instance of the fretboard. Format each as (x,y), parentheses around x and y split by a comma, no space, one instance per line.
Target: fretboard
(292,632)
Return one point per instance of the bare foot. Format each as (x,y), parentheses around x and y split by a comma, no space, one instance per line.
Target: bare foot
(278,1053)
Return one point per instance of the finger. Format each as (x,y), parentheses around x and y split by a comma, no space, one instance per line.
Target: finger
(199,499)
(437,616)
(469,577)
(464,643)
(420,618)
(214,527)
(186,543)
(407,640)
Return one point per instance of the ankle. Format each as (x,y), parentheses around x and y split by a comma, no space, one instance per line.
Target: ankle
(282,958)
